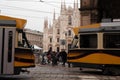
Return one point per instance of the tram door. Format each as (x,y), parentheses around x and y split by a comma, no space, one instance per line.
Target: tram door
(7,40)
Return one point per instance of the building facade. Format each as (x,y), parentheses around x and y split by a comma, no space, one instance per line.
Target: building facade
(89,12)
(94,11)
(34,37)
(59,34)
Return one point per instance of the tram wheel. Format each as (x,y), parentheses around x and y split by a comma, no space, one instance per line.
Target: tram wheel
(17,71)
(106,71)
(115,72)
(81,69)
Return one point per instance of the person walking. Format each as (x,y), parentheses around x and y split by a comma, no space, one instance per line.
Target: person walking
(49,55)
(63,55)
(43,62)
(54,58)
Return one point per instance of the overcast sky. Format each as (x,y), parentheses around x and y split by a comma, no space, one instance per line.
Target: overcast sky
(33,10)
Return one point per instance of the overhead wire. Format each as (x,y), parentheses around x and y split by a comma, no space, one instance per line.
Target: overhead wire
(40,1)
(31,16)
(51,5)
(25,9)
(31,10)
(44,2)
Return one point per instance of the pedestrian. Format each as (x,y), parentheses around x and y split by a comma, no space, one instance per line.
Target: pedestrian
(54,58)
(63,55)
(43,62)
(57,56)
(49,55)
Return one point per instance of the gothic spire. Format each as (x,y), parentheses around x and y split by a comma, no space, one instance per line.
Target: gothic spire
(45,23)
(75,4)
(54,15)
(63,6)
(50,24)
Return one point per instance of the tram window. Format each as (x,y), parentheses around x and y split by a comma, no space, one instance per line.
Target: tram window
(21,40)
(10,37)
(88,41)
(111,40)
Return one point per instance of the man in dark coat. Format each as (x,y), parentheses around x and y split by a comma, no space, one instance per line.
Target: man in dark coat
(63,55)
(54,58)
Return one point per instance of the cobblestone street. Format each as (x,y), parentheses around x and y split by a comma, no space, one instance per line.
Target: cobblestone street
(48,72)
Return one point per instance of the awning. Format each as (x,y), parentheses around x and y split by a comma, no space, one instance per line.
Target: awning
(37,47)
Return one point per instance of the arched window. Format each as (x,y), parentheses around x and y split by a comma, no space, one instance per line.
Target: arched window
(69,32)
(58,31)
(69,20)
(58,49)
(58,39)
(50,40)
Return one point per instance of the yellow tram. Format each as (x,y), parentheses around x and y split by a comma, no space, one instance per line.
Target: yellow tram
(97,46)
(15,50)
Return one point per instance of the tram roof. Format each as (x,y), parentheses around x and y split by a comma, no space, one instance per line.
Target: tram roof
(91,26)
(20,23)
(109,26)
(8,23)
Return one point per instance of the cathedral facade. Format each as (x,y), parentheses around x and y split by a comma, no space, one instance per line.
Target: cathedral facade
(59,34)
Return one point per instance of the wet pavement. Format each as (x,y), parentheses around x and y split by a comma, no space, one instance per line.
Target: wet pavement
(49,72)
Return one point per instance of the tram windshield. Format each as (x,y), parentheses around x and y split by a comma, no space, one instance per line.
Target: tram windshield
(88,41)
(111,40)
(22,40)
